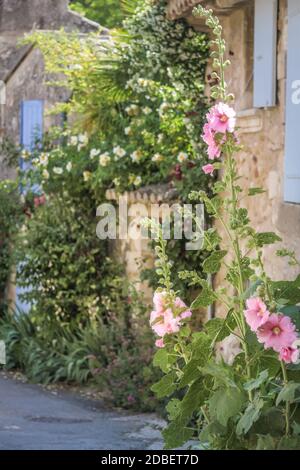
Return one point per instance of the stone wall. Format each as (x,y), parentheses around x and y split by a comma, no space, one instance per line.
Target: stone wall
(136,254)
(262,132)
(23,15)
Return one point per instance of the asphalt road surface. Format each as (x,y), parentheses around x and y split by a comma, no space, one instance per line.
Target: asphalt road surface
(34,418)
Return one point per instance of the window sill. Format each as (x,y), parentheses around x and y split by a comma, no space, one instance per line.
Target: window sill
(250,120)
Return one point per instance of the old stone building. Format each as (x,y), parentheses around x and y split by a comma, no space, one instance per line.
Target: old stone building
(24,97)
(263,45)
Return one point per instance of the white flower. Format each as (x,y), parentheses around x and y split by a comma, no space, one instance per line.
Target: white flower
(127,130)
(132,110)
(73,140)
(160,138)
(116,181)
(119,152)
(228,349)
(104,159)
(157,157)
(25,154)
(57,170)
(45,174)
(163,108)
(69,166)
(43,159)
(136,156)
(147,110)
(83,139)
(86,175)
(137,181)
(182,157)
(94,153)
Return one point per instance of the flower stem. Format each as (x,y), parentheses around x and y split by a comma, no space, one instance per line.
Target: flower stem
(287,405)
(238,255)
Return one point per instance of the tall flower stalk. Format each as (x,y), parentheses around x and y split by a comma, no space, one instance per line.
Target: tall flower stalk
(232,391)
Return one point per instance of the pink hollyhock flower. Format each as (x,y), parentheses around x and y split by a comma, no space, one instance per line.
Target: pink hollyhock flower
(213,151)
(159,301)
(222,118)
(164,323)
(159,343)
(277,333)
(289,355)
(208,169)
(208,135)
(256,313)
(180,304)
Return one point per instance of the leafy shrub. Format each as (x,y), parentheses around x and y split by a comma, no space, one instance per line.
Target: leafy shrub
(11,216)
(113,353)
(62,263)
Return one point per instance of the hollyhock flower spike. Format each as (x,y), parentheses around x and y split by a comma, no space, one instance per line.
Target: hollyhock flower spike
(166,319)
(256,313)
(277,333)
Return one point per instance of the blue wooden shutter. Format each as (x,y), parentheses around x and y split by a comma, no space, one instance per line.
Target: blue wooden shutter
(31,129)
(265,45)
(292,131)
(31,123)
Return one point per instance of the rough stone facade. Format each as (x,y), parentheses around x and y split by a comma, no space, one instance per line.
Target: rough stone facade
(22,75)
(262,131)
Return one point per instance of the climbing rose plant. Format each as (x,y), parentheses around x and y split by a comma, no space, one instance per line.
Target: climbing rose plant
(239,376)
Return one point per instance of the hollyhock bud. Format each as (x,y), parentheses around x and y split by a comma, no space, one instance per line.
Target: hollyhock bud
(289,355)
(159,343)
(208,169)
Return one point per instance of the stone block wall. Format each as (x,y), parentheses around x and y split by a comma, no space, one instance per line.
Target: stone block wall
(136,254)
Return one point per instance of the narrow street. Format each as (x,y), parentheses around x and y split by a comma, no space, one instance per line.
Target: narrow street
(34,419)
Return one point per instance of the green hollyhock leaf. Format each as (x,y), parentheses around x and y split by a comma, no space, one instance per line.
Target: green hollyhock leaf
(289,290)
(293,312)
(166,386)
(288,392)
(289,443)
(175,435)
(256,383)
(212,264)
(226,403)
(265,442)
(211,239)
(205,298)
(163,360)
(218,328)
(201,352)
(250,416)
(220,372)
(173,408)
(265,238)
(254,191)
